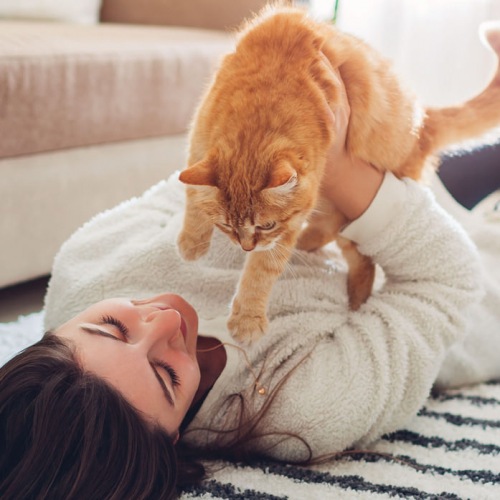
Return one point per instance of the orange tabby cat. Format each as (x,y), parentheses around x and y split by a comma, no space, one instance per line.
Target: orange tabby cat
(261,133)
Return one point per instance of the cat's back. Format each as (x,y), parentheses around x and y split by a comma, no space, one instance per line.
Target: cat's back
(277,47)
(283,32)
(266,83)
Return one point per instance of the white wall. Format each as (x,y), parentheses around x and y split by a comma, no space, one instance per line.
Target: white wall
(434,43)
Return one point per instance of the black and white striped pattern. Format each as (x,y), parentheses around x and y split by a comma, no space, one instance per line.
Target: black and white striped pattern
(450,450)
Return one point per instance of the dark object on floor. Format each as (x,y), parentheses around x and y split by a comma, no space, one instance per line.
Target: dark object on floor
(472,176)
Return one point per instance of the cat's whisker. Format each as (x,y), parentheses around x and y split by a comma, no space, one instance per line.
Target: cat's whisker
(197,245)
(200,226)
(303,258)
(204,223)
(317,210)
(294,254)
(279,252)
(227,251)
(291,270)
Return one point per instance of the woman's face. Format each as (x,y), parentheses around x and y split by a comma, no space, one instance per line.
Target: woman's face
(144,348)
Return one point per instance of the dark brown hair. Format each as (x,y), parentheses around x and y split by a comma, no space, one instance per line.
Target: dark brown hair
(66,433)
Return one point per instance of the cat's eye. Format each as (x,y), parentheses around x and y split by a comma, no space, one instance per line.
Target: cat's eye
(267,226)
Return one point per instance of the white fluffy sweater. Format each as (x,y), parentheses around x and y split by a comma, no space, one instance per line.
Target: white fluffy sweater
(353,375)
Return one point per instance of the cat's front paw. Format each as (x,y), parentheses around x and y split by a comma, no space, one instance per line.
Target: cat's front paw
(247,328)
(191,247)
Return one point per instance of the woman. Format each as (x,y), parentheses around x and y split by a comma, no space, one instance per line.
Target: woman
(96,410)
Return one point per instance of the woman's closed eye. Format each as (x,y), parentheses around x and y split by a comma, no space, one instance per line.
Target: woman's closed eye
(174,377)
(119,325)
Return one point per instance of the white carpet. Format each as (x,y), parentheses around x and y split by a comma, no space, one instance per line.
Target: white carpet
(451,450)
(19,334)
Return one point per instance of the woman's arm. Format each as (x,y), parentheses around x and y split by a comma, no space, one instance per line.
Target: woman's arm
(349,183)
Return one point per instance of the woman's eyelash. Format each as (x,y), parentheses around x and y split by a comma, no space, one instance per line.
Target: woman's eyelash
(110,320)
(171,373)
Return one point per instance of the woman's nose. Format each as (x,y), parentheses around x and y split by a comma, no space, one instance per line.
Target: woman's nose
(162,326)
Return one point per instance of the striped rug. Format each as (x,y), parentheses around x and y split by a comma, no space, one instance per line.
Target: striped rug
(450,450)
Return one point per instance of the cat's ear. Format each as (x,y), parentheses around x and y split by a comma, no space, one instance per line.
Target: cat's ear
(200,174)
(283,177)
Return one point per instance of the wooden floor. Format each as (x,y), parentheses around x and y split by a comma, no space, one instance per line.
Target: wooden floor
(22,299)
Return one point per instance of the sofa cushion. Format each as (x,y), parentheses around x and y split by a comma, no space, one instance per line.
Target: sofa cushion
(64,86)
(76,11)
(214,14)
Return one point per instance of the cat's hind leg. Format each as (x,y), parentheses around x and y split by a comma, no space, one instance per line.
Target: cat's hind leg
(315,235)
(322,228)
(361,273)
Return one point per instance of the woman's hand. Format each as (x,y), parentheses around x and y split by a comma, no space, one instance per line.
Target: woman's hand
(349,183)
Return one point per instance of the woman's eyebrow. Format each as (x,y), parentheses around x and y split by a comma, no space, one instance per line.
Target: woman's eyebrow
(92,330)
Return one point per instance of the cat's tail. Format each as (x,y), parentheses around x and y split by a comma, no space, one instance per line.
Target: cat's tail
(472,119)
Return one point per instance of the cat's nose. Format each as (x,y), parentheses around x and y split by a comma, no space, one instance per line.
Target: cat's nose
(247,241)
(247,247)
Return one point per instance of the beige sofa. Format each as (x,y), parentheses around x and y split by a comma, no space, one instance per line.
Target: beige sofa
(92,114)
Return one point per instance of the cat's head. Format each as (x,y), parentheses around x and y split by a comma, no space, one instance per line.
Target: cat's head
(258,208)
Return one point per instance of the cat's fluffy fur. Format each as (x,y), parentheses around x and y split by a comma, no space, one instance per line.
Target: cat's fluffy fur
(260,136)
